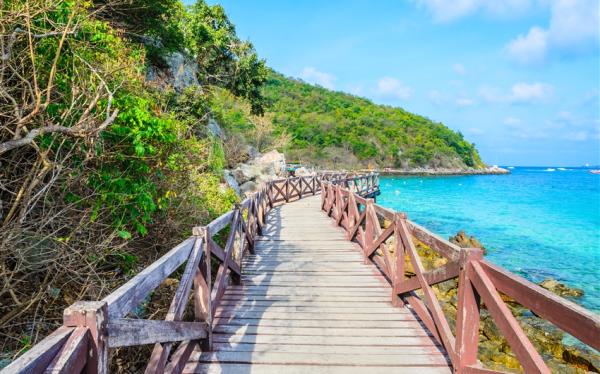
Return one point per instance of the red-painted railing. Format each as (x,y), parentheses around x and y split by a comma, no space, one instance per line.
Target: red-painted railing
(377,230)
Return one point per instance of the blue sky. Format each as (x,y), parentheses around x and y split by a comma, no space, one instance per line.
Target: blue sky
(519,78)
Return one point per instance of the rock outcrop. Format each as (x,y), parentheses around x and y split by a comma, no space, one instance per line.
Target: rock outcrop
(261,168)
(560,289)
(464,241)
(180,72)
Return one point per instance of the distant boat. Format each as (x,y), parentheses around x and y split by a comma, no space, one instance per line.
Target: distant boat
(550,169)
(596,171)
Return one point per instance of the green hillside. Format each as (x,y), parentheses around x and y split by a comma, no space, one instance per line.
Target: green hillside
(336,129)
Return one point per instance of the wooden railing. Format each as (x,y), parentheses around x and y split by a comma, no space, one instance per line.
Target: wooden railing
(91,328)
(386,238)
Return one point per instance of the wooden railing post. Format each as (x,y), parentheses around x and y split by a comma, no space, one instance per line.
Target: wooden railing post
(93,315)
(467,318)
(369,228)
(202,289)
(287,190)
(400,257)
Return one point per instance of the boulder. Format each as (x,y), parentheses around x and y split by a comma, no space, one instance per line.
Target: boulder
(180,72)
(464,241)
(561,289)
(260,169)
(248,187)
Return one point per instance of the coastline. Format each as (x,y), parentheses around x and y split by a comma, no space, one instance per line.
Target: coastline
(490,170)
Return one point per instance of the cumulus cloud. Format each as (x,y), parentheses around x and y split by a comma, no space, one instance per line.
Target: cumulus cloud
(574,26)
(530,92)
(312,75)
(446,10)
(393,88)
(519,93)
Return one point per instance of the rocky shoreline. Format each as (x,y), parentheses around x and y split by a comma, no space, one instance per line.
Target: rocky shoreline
(489,170)
(494,351)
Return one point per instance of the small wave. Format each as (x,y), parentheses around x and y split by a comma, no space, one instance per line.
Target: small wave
(510,167)
(550,169)
(562,169)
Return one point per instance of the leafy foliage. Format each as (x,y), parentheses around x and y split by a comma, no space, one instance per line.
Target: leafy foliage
(340,130)
(224,60)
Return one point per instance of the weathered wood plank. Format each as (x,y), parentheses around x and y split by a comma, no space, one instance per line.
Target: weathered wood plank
(123,332)
(319,331)
(128,296)
(327,340)
(73,355)
(202,368)
(329,359)
(344,349)
(37,359)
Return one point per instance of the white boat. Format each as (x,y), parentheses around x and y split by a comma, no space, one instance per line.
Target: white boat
(595,171)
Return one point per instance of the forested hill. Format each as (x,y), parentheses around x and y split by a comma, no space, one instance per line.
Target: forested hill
(336,129)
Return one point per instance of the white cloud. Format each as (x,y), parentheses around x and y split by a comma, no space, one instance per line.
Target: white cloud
(530,48)
(459,69)
(464,102)
(512,121)
(520,93)
(577,136)
(448,10)
(312,75)
(574,26)
(530,92)
(393,88)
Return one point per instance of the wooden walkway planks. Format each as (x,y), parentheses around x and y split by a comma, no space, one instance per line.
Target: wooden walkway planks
(308,302)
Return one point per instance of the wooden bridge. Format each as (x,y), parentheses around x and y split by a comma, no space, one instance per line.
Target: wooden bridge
(308,283)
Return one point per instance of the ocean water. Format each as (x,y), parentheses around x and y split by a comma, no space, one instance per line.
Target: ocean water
(536,222)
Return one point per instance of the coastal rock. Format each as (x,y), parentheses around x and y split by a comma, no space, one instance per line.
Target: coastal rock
(561,289)
(494,351)
(464,241)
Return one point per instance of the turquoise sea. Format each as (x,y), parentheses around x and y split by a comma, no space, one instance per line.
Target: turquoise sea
(537,222)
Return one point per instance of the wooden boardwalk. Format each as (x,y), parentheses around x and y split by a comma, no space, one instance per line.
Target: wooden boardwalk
(309,303)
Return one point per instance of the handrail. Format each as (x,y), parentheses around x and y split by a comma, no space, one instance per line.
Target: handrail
(91,328)
(364,222)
